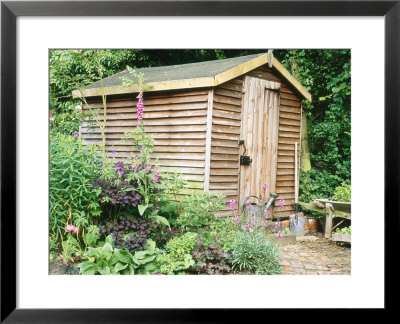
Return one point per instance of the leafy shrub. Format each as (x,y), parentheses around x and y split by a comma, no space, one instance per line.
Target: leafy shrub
(72,198)
(343,193)
(252,252)
(105,260)
(132,233)
(92,236)
(219,231)
(344,230)
(198,208)
(211,259)
(179,256)
(116,190)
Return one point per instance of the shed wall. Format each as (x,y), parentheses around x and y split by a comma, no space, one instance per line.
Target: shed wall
(227,103)
(176,121)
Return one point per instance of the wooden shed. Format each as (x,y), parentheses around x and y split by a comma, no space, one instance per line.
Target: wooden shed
(200,113)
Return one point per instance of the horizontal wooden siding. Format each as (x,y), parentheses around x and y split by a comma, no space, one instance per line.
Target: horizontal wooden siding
(176,121)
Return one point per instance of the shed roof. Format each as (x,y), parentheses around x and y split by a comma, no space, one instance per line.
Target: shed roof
(191,75)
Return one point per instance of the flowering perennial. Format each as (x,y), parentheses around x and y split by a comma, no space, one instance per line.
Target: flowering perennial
(156,176)
(71,229)
(139,108)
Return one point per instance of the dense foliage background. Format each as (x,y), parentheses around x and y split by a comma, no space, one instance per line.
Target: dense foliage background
(325,73)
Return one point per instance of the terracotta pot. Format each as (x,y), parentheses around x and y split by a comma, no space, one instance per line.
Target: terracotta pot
(312,225)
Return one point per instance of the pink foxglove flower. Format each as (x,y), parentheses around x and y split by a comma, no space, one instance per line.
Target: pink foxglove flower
(51,117)
(148,167)
(232,204)
(139,108)
(156,176)
(265,186)
(281,203)
(246,226)
(280,234)
(266,213)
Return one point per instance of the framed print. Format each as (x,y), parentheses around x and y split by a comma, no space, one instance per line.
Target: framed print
(36,35)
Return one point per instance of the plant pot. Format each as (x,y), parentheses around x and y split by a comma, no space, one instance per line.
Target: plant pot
(312,224)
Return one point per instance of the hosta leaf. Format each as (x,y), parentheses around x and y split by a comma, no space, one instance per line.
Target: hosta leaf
(124,256)
(104,270)
(120,266)
(87,268)
(107,251)
(128,271)
(92,252)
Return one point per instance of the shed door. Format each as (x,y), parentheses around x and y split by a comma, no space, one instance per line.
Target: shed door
(260,122)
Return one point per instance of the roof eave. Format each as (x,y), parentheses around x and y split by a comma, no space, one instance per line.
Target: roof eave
(203,82)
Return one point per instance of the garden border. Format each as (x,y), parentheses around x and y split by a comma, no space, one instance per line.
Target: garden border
(11,10)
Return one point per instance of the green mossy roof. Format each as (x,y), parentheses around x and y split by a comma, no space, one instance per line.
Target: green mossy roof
(178,72)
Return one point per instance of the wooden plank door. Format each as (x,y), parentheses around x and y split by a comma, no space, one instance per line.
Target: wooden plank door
(260,122)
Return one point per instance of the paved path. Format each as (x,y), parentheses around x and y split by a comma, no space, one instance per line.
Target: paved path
(320,257)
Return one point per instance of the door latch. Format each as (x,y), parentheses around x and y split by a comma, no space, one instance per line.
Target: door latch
(245,160)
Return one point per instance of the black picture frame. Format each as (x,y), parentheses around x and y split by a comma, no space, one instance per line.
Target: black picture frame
(10,10)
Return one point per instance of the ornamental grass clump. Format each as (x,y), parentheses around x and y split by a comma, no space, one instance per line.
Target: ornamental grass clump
(251,252)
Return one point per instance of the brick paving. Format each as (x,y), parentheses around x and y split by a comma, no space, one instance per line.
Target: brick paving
(319,257)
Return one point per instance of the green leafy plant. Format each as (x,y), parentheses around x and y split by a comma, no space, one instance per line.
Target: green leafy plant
(198,209)
(106,260)
(253,253)
(179,254)
(343,193)
(343,230)
(72,198)
(92,236)
(211,259)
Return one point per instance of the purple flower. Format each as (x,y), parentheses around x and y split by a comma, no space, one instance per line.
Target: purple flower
(135,168)
(281,203)
(246,226)
(51,117)
(232,204)
(140,147)
(113,151)
(277,224)
(266,213)
(148,167)
(76,134)
(127,152)
(101,162)
(122,171)
(280,234)
(118,166)
(265,186)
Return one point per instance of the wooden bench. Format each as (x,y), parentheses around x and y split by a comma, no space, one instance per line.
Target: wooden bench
(331,209)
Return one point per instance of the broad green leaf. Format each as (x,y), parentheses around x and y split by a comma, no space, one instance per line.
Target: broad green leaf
(142,209)
(87,268)
(162,220)
(107,251)
(120,266)
(104,270)
(93,252)
(124,256)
